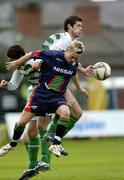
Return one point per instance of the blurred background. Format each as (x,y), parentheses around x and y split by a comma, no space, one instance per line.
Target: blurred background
(30,22)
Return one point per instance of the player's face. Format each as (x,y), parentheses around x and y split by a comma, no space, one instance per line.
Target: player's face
(76,30)
(72,57)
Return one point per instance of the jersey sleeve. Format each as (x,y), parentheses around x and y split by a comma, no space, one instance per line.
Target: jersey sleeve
(13,84)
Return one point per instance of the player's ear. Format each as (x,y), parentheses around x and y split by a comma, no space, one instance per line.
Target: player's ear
(69,26)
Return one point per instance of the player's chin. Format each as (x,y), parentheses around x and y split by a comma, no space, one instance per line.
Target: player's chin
(78,35)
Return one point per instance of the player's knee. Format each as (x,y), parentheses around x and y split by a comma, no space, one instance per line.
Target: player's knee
(22,124)
(32,133)
(42,127)
(63,112)
(64,116)
(42,124)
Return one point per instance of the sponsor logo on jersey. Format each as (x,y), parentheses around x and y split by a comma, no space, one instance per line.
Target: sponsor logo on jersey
(64,71)
(60,60)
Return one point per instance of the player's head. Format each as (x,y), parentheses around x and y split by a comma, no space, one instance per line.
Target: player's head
(74,51)
(15,52)
(73,25)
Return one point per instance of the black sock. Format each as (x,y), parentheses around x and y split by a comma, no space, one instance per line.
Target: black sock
(13,144)
(55,141)
(18,131)
(60,130)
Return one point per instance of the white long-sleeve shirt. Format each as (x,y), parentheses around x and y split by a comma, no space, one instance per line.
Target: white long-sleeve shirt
(26,72)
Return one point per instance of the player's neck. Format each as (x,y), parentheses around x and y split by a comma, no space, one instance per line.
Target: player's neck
(71,35)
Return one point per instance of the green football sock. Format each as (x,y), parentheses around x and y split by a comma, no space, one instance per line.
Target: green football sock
(53,124)
(72,121)
(33,147)
(45,154)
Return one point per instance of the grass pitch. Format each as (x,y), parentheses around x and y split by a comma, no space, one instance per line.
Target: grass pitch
(100,159)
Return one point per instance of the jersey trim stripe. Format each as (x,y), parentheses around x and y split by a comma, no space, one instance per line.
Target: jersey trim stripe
(61,85)
(51,81)
(27,108)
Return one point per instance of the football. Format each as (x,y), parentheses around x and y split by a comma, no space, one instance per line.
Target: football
(101,71)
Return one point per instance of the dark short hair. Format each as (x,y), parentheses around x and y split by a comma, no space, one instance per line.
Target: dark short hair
(72,21)
(15,52)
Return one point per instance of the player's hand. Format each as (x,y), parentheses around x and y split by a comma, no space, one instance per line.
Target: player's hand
(3,84)
(84,92)
(12,65)
(86,71)
(89,70)
(36,65)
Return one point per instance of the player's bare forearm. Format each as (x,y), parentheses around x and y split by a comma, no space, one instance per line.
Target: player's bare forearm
(76,82)
(86,71)
(12,65)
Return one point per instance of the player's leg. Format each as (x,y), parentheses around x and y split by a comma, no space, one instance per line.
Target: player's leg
(42,124)
(24,138)
(32,132)
(33,143)
(51,129)
(75,110)
(64,113)
(76,113)
(33,147)
(18,131)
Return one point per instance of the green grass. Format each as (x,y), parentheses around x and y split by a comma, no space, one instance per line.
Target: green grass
(100,159)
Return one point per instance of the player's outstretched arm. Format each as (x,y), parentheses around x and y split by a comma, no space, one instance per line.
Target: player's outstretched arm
(13,65)
(86,71)
(14,82)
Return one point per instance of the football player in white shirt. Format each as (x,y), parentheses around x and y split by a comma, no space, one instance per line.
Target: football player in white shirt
(31,74)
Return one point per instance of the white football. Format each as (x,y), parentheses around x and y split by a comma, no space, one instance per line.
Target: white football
(101,71)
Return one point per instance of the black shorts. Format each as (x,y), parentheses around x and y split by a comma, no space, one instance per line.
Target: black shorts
(44,102)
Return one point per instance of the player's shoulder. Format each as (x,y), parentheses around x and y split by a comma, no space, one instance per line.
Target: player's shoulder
(61,35)
(65,35)
(53,52)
